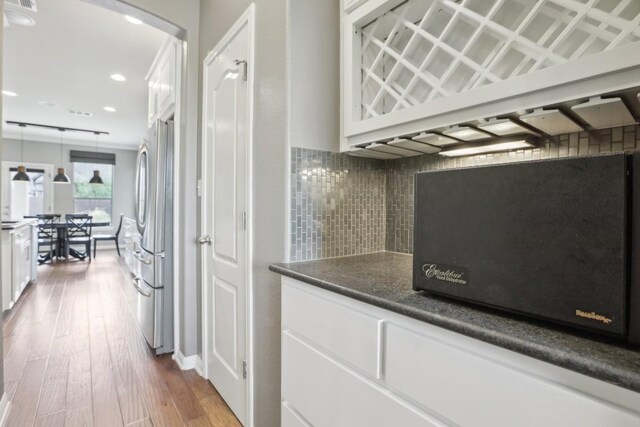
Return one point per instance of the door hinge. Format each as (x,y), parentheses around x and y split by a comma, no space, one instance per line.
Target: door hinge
(243,63)
(244,221)
(244,369)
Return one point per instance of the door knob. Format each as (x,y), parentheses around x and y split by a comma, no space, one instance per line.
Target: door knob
(206,239)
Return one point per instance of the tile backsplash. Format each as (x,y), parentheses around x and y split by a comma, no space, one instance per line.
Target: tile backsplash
(341,205)
(337,205)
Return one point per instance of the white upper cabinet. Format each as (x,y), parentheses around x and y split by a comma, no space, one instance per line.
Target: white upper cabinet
(416,65)
(162,81)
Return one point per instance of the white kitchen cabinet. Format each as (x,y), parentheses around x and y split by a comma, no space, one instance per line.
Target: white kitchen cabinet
(419,65)
(18,262)
(327,393)
(131,244)
(424,376)
(152,82)
(162,80)
(336,329)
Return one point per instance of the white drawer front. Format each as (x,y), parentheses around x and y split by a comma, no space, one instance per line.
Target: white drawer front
(328,395)
(350,335)
(472,390)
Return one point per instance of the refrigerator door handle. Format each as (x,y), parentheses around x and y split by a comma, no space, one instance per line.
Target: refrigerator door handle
(136,285)
(142,194)
(142,259)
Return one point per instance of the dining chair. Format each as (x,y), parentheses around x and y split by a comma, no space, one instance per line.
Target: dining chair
(78,233)
(47,237)
(107,237)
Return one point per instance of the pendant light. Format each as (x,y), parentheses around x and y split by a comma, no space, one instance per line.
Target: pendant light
(62,177)
(22,171)
(96,179)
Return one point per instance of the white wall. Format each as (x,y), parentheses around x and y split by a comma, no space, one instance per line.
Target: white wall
(314,74)
(49,153)
(185,14)
(297,103)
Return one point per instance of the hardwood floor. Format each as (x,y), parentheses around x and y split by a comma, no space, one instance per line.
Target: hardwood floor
(74,356)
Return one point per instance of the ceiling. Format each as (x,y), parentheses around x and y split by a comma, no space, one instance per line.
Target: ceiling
(63,63)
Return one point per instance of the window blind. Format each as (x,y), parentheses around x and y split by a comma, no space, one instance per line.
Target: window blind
(92,157)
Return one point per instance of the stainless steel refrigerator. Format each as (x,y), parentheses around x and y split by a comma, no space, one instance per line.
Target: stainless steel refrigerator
(154,218)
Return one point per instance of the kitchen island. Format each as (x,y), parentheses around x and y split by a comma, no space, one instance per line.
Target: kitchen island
(427,360)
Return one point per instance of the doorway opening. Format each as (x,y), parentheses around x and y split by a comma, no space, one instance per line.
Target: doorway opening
(81,326)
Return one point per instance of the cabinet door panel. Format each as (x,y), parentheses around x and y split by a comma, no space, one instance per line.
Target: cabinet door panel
(350,335)
(327,394)
(153,99)
(414,65)
(6,272)
(472,390)
(166,82)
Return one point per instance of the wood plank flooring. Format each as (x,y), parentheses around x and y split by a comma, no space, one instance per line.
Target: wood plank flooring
(74,356)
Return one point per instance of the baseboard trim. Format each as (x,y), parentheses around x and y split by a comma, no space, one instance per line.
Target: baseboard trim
(5,407)
(185,362)
(199,366)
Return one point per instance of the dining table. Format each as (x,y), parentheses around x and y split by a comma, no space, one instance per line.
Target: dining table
(61,234)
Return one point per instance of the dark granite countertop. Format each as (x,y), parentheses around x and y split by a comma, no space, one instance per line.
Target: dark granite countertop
(384,279)
(13,225)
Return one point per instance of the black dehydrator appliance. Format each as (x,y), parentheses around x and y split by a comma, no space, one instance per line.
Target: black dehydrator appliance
(553,239)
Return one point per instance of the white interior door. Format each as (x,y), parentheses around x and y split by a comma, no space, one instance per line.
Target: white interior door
(225,189)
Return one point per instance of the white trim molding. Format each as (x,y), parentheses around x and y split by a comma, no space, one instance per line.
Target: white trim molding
(186,362)
(200,366)
(5,407)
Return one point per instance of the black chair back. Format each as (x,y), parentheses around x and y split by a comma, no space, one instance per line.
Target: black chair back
(79,226)
(46,230)
(119,226)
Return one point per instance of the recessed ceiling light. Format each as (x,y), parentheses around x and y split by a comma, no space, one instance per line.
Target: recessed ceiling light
(110,109)
(466,133)
(488,148)
(9,93)
(46,104)
(504,127)
(118,77)
(133,20)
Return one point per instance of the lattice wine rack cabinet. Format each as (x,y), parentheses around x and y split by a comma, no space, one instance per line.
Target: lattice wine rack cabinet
(415,65)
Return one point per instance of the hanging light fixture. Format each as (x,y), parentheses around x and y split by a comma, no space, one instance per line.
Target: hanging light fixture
(62,177)
(22,170)
(96,179)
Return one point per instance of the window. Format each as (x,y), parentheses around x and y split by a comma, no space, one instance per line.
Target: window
(93,199)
